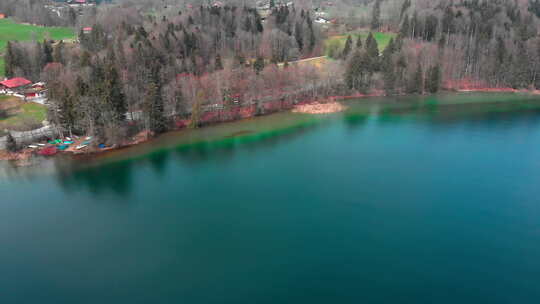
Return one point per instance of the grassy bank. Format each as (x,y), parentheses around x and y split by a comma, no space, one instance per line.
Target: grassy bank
(12,31)
(21,116)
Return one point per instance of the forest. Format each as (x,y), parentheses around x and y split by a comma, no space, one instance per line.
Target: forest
(147,66)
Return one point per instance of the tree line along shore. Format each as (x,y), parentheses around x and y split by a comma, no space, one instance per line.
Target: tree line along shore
(133,69)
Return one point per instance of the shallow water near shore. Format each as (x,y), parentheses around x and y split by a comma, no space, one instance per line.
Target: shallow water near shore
(397,200)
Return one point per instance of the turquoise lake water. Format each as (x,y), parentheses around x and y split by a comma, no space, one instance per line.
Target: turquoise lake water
(412,200)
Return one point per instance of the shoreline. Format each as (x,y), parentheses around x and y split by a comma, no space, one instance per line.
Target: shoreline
(498,90)
(320,108)
(328,105)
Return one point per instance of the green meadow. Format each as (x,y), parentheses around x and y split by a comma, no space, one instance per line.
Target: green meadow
(12,31)
(21,115)
(334,45)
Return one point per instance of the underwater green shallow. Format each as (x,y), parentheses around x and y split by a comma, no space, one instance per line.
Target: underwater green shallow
(397,200)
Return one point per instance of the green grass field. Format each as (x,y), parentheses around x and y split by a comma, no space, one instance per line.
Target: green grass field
(11,31)
(22,115)
(334,45)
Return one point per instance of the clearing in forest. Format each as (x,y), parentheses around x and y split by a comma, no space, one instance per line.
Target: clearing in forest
(335,44)
(12,31)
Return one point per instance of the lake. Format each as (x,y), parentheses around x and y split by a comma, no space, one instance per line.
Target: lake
(407,200)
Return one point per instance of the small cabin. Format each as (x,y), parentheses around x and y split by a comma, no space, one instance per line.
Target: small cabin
(322,20)
(36,91)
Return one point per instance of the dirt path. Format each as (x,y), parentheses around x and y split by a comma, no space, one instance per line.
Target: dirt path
(320,58)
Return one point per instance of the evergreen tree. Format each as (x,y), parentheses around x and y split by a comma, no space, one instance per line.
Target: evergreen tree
(258,22)
(358,73)
(401,67)
(376,16)
(47,52)
(501,52)
(448,25)
(114,95)
(389,77)
(390,48)
(348,47)
(372,51)
(83,38)
(442,43)
(359,42)
(247,24)
(415,85)
(520,71)
(11,143)
(259,64)
(372,48)
(430,28)
(86,59)
(154,102)
(352,71)
(141,32)
(154,107)
(299,36)
(537,79)
(218,65)
(81,87)
(311,35)
(405,27)
(398,43)
(97,39)
(11,60)
(67,110)
(39,61)
(72,16)
(388,69)
(433,80)
(406,4)
(534,7)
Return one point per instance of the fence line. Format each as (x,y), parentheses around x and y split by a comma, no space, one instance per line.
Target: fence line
(26,137)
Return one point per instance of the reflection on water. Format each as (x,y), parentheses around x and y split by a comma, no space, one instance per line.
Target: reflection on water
(290,208)
(112,172)
(115,177)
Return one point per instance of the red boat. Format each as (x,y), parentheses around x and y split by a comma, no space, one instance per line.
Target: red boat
(48,151)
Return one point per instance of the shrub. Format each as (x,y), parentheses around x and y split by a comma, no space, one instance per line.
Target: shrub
(11,144)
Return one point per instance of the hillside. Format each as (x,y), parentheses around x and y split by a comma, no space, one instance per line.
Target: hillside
(12,31)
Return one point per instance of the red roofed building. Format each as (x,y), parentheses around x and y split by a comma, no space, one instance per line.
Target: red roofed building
(15,83)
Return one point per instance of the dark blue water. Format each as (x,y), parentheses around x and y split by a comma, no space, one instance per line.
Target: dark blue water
(384,204)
